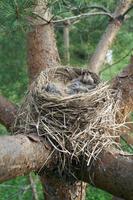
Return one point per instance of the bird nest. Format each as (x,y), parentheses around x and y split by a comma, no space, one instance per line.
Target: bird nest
(75,112)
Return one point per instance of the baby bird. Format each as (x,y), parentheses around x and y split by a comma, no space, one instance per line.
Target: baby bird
(82,84)
(86,78)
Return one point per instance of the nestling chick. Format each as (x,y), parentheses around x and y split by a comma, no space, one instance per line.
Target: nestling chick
(82,84)
(86,78)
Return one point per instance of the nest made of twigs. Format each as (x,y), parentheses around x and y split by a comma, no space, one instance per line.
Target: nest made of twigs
(77,117)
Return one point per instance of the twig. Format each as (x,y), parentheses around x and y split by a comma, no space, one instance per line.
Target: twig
(126,143)
(130,8)
(118,61)
(73,18)
(95,7)
(42,18)
(87,7)
(82,16)
(33,187)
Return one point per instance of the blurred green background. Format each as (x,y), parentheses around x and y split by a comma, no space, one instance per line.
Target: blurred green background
(84,37)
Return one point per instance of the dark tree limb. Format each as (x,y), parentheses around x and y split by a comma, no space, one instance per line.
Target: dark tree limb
(7,112)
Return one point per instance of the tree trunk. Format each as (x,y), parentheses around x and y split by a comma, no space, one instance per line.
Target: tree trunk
(43,53)
(66,42)
(41,43)
(42,50)
(108,37)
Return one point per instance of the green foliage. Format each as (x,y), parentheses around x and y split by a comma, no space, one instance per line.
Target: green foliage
(96,194)
(14,13)
(85,34)
(13,77)
(20,189)
(84,37)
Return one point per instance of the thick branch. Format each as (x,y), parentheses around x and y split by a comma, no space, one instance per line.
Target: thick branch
(108,37)
(7,112)
(19,155)
(112,172)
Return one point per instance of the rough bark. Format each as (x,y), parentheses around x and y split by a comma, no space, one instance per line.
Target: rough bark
(111,172)
(7,112)
(108,37)
(116,174)
(61,191)
(42,51)
(19,155)
(41,43)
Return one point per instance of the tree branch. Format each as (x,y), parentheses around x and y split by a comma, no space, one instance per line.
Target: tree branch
(7,112)
(108,37)
(98,7)
(73,18)
(83,15)
(19,155)
(128,10)
(86,7)
(118,61)
(111,172)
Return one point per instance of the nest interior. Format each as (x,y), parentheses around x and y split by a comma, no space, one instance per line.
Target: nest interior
(73,111)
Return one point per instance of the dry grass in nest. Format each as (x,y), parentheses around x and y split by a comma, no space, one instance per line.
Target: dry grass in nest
(76,124)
